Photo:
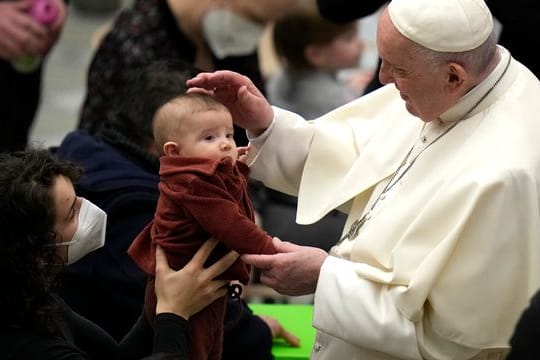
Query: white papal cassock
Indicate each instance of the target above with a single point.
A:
(450, 255)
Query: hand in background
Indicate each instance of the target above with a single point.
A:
(278, 331)
(53, 32)
(20, 34)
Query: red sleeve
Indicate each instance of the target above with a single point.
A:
(218, 213)
(142, 251)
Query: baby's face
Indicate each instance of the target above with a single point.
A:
(209, 134)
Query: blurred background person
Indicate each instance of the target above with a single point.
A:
(209, 34)
(312, 51)
(344, 11)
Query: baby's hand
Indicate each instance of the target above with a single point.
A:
(243, 153)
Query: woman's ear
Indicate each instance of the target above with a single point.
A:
(170, 148)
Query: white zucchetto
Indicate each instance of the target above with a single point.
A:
(443, 25)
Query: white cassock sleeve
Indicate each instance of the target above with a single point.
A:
(344, 301)
(466, 292)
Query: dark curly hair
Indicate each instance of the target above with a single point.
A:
(27, 214)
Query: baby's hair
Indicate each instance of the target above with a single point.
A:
(166, 120)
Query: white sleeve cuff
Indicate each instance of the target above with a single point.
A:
(262, 137)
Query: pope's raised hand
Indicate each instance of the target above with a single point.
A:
(248, 106)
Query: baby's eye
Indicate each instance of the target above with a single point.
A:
(230, 136)
(209, 137)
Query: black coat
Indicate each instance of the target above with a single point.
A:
(77, 338)
(520, 30)
(524, 341)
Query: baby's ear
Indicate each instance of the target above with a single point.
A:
(170, 148)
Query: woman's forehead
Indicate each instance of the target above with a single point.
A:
(63, 194)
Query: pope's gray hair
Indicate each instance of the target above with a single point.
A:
(474, 61)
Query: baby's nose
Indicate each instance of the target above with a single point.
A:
(226, 145)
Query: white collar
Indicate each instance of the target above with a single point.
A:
(469, 103)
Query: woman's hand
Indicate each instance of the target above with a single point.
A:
(192, 288)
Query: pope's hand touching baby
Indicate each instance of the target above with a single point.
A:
(249, 108)
(293, 271)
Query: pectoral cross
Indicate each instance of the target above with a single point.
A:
(355, 227)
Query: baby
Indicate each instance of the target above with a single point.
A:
(203, 193)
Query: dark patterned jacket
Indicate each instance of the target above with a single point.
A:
(141, 34)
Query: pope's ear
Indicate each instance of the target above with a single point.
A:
(171, 149)
(457, 76)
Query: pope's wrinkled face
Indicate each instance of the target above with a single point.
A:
(421, 84)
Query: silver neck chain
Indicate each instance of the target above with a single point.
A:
(394, 179)
(398, 174)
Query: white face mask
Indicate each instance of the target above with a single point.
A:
(90, 233)
(230, 34)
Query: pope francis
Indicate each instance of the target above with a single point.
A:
(439, 173)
